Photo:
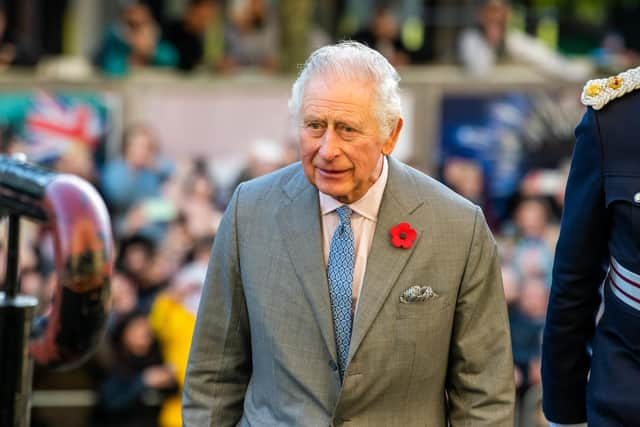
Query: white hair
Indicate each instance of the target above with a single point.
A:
(357, 61)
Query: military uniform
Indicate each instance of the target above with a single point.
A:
(592, 371)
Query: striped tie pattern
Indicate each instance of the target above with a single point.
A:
(340, 277)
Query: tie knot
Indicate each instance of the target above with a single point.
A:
(344, 212)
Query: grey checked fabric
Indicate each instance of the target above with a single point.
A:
(340, 276)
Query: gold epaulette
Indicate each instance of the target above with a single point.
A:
(598, 92)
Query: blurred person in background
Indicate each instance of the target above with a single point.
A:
(527, 321)
(138, 381)
(187, 34)
(533, 259)
(526, 279)
(466, 177)
(178, 241)
(198, 204)
(76, 159)
(265, 156)
(532, 255)
(548, 184)
(491, 42)
(134, 41)
(164, 265)
(543, 206)
(134, 256)
(134, 177)
(590, 364)
(532, 218)
(511, 285)
(173, 319)
(135, 259)
(483, 46)
(620, 45)
(251, 36)
(383, 35)
(11, 52)
(124, 297)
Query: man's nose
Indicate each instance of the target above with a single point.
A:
(329, 145)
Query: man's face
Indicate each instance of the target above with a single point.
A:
(341, 146)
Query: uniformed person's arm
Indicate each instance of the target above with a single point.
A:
(579, 269)
(219, 365)
(480, 381)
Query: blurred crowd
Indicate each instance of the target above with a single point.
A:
(137, 39)
(165, 211)
(223, 36)
(164, 214)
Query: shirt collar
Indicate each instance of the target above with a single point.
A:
(368, 205)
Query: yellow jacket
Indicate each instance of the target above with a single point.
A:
(173, 326)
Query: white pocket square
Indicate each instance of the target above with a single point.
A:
(417, 293)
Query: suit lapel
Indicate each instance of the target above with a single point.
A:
(299, 222)
(386, 262)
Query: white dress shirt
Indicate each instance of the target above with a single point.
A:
(363, 223)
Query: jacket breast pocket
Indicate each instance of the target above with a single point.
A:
(622, 194)
(422, 309)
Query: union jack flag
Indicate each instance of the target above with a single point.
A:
(56, 122)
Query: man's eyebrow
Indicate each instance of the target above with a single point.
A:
(354, 123)
(312, 117)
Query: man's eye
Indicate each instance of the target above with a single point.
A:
(347, 130)
(346, 127)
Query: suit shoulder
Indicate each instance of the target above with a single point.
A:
(599, 92)
(261, 187)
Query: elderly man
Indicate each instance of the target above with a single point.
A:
(350, 289)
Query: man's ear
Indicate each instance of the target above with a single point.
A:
(392, 139)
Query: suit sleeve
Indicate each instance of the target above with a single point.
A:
(579, 268)
(219, 366)
(480, 381)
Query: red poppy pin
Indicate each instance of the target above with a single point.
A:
(402, 235)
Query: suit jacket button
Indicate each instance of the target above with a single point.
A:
(332, 365)
(636, 197)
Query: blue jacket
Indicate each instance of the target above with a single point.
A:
(588, 368)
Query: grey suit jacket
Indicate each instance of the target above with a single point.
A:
(264, 353)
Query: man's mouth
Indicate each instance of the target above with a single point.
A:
(332, 173)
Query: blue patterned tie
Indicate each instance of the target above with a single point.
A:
(340, 276)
